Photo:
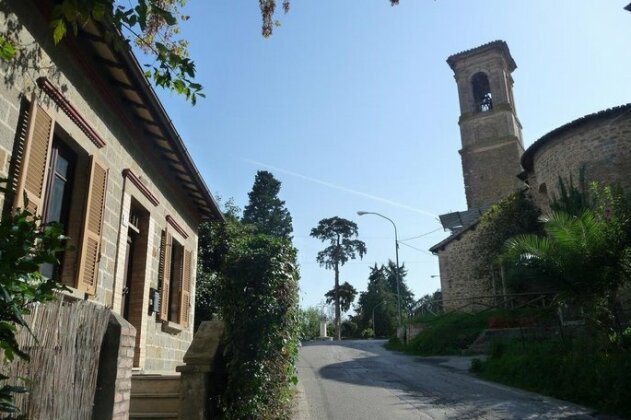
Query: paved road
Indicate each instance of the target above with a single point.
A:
(362, 380)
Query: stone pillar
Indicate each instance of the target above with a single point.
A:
(202, 377)
(323, 329)
(113, 386)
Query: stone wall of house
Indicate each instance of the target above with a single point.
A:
(9, 113)
(461, 286)
(164, 349)
(600, 145)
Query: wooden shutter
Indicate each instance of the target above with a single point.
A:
(185, 294)
(92, 228)
(35, 159)
(165, 260)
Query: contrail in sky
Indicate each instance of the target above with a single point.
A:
(341, 188)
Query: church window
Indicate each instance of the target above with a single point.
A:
(482, 92)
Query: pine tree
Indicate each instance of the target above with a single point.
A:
(340, 234)
(265, 210)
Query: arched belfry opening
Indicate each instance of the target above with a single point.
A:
(489, 128)
(482, 92)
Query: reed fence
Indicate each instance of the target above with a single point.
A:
(64, 348)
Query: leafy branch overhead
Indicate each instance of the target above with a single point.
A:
(152, 25)
(268, 9)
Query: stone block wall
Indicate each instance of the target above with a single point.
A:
(123, 150)
(490, 173)
(461, 286)
(602, 146)
(113, 392)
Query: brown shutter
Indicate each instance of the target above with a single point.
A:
(165, 259)
(92, 229)
(185, 295)
(35, 158)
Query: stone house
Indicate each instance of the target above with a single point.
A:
(84, 135)
(495, 163)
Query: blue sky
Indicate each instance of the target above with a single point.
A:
(352, 106)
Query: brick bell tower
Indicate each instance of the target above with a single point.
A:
(489, 128)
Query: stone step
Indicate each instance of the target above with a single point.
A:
(155, 383)
(154, 402)
(153, 415)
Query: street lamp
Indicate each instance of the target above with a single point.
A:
(396, 249)
(374, 330)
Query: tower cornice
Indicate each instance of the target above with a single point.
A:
(498, 45)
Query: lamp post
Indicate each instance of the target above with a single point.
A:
(396, 249)
(374, 331)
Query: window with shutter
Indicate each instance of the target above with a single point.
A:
(176, 278)
(46, 167)
(92, 228)
(32, 174)
(165, 274)
(185, 303)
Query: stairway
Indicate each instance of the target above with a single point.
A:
(154, 397)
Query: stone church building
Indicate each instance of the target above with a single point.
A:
(495, 164)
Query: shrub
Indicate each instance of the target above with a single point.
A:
(395, 344)
(454, 332)
(582, 371)
(476, 366)
(24, 246)
(368, 333)
(260, 280)
(448, 334)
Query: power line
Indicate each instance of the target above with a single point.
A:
(421, 235)
(417, 249)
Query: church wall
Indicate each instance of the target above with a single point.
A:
(601, 146)
(459, 283)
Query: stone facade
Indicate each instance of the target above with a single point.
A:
(458, 281)
(489, 128)
(88, 108)
(491, 149)
(598, 145)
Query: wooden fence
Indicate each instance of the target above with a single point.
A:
(64, 350)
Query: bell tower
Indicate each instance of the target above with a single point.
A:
(489, 128)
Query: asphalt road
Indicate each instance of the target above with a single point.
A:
(362, 380)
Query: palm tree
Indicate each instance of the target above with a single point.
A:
(581, 257)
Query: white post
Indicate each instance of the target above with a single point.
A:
(323, 328)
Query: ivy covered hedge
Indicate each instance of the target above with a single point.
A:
(513, 215)
(259, 298)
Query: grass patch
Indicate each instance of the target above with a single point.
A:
(451, 333)
(581, 371)
(395, 344)
(448, 334)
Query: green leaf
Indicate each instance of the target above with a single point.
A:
(59, 30)
(7, 52)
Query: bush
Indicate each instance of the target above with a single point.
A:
(476, 365)
(368, 333)
(448, 334)
(24, 246)
(581, 371)
(454, 332)
(395, 344)
(260, 280)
